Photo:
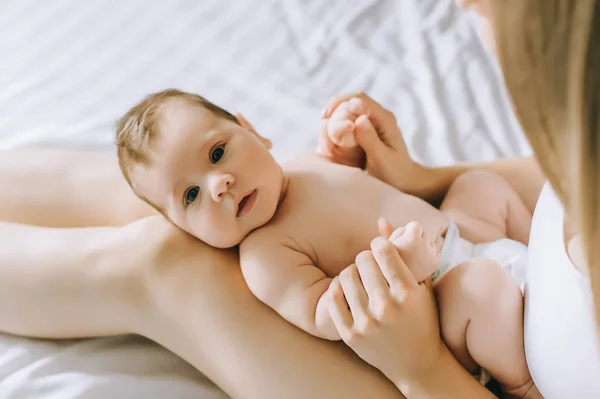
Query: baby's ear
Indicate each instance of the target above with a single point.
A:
(248, 126)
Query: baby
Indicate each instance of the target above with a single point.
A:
(298, 225)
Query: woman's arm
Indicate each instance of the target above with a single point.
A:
(204, 311)
(60, 188)
(391, 322)
(61, 283)
(385, 156)
(155, 280)
(56, 283)
(448, 380)
(523, 174)
(152, 279)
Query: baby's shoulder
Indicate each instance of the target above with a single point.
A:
(304, 159)
(271, 246)
(263, 236)
(270, 238)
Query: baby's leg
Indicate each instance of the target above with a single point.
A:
(481, 318)
(486, 208)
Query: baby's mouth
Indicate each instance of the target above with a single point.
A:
(246, 203)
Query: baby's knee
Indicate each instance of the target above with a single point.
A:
(480, 284)
(477, 192)
(479, 181)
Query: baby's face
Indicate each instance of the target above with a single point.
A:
(213, 178)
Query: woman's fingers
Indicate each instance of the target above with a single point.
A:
(338, 308)
(375, 284)
(391, 264)
(368, 138)
(355, 294)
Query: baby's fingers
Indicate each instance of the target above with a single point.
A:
(341, 132)
(385, 228)
(357, 106)
(395, 236)
(334, 102)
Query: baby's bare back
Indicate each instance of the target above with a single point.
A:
(330, 212)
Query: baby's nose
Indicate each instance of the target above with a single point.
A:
(221, 184)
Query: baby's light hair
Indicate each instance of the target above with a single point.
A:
(138, 129)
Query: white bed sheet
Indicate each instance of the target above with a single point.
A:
(69, 69)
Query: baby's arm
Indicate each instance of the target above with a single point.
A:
(287, 280)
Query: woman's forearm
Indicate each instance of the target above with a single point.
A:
(449, 380)
(152, 279)
(61, 188)
(523, 174)
(204, 311)
(60, 283)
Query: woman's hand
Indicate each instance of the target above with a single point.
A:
(385, 316)
(381, 149)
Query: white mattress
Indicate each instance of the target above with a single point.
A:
(69, 69)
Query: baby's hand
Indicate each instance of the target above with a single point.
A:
(341, 125)
(418, 252)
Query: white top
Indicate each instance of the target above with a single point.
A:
(560, 332)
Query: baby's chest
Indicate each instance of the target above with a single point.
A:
(337, 230)
(335, 214)
(334, 241)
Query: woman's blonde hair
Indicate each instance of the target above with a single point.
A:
(549, 51)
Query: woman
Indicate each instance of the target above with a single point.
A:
(151, 279)
(550, 54)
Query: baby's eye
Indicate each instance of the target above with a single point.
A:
(191, 194)
(217, 153)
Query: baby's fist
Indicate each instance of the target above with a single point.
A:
(341, 126)
(414, 246)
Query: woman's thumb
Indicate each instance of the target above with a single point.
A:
(366, 136)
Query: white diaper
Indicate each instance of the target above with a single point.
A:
(509, 254)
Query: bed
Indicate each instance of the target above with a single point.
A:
(69, 69)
